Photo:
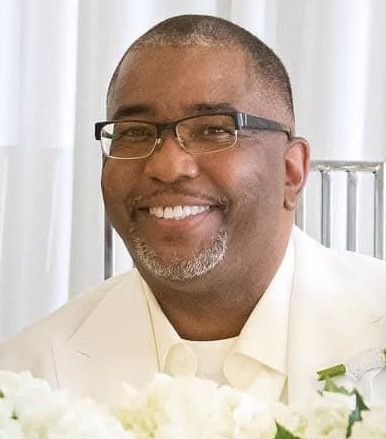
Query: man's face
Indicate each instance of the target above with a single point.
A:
(233, 200)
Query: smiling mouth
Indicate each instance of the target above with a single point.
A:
(177, 213)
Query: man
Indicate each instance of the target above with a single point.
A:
(201, 178)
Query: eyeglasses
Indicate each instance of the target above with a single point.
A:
(201, 134)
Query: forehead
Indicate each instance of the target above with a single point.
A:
(169, 82)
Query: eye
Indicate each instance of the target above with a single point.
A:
(133, 132)
(215, 130)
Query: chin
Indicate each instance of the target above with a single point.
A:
(174, 266)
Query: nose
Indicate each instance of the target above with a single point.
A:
(169, 163)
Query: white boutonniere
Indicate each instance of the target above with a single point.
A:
(358, 374)
(357, 366)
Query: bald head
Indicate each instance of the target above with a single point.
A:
(185, 31)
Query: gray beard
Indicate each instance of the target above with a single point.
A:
(178, 268)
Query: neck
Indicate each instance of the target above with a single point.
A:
(217, 305)
(206, 316)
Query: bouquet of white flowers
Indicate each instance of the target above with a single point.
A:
(188, 408)
(30, 409)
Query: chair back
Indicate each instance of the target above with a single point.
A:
(353, 171)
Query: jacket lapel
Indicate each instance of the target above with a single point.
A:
(115, 344)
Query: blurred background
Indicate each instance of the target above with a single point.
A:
(56, 59)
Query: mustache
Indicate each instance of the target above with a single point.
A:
(142, 199)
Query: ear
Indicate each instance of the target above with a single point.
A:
(297, 160)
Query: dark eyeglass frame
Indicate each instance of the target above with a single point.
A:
(243, 121)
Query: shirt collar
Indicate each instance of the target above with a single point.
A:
(262, 343)
(165, 335)
(264, 335)
(258, 360)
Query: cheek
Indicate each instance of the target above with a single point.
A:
(119, 178)
(255, 183)
(251, 179)
(118, 185)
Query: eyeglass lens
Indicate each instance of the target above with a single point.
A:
(133, 139)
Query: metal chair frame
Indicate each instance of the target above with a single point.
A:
(326, 168)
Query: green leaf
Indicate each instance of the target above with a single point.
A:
(331, 386)
(282, 433)
(2, 394)
(356, 414)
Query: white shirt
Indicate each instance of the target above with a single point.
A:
(257, 361)
(211, 356)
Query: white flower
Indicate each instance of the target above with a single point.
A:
(34, 403)
(174, 408)
(326, 417)
(11, 429)
(291, 419)
(6, 409)
(11, 382)
(87, 420)
(30, 409)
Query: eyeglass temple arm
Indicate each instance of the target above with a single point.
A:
(248, 121)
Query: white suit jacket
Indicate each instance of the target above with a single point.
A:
(103, 338)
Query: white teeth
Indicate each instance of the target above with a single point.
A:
(168, 212)
(158, 212)
(186, 211)
(177, 212)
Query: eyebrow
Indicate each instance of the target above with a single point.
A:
(132, 110)
(125, 111)
(210, 106)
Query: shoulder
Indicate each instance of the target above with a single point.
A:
(313, 256)
(34, 343)
(336, 275)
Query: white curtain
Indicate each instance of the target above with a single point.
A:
(56, 58)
